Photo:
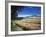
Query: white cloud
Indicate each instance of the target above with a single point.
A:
(24, 15)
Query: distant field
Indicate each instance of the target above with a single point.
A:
(27, 23)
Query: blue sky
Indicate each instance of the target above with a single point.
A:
(29, 11)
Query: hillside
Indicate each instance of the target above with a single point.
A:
(29, 23)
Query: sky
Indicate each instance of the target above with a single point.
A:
(29, 11)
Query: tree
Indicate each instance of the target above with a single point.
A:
(14, 10)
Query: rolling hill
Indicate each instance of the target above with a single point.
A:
(29, 23)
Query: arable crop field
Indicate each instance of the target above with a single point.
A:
(27, 23)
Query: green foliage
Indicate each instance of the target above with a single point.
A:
(14, 27)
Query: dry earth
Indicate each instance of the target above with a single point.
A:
(30, 23)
